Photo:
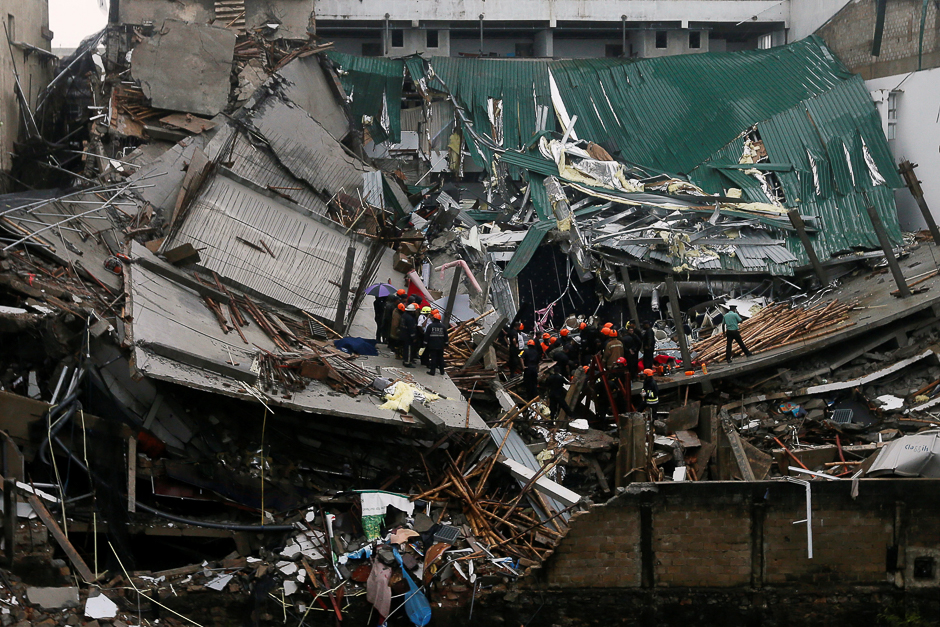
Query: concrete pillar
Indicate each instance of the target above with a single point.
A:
(544, 44)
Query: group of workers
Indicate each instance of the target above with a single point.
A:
(412, 329)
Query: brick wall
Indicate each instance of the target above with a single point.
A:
(601, 551)
(708, 546)
(742, 535)
(850, 32)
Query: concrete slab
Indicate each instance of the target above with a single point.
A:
(879, 313)
(177, 339)
(307, 86)
(53, 598)
(186, 67)
(292, 17)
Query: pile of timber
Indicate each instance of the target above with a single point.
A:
(289, 372)
(779, 325)
(497, 517)
(460, 343)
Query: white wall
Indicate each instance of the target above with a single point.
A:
(808, 15)
(918, 136)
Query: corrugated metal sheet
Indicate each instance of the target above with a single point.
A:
(309, 256)
(259, 166)
(306, 149)
(525, 250)
(374, 85)
(515, 449)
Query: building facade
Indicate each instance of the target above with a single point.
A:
(25, 59)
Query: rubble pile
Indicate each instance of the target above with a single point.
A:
(190, 364)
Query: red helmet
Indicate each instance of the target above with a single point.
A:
(621, 361)
(564, 332)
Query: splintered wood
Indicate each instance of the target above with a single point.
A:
(777, 326)
(498, 515)
(460, 346)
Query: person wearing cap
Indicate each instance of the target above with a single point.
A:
(650, 391)
(732, 334)
(631, 350)
(613, 351)
(555, 384)
(530, 374)
(424, 320)
(648, 342)
(435, 341)
(564, 332)
(406, 334)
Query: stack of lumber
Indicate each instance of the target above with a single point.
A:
(495, 508)
(460, 342)
(779, 325)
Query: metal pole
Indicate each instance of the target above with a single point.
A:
(797, 221)
(344, 289)
(481, 34)
(886, 247)
(452, 297)
(677, 316)
(9, 518)
(628, 288)
(906, 170)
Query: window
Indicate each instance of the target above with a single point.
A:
(613, 50)
(398, 38)
(372, 49)
(923, 567)
(525, 50)
(662, 39)
(892, 115)
(431, 38)
(765, 42)
(695, 39)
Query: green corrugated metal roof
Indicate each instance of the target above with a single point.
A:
(373, 83)
(527, 247)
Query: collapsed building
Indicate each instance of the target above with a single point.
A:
(203, 287)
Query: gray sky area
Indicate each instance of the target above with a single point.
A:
(73, 20)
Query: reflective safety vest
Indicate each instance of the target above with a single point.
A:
(649, 396)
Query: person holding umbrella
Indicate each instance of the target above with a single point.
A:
(381, 292)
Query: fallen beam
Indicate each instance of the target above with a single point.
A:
(542, 484)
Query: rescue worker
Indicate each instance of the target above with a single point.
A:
(613, 351)
(732, 319)
(394, 333)
(562, 359)
(631, 350)
(424, 320)
(650, 392)
(590, 340)
(555, 384)
(530, 375)
(513, 333)
(435, 340)
(406, 334)
(378, 306)
(391, 305)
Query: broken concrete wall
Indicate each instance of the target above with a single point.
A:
(186, 67)
(280, 19)
(308, 87)
(156, 11)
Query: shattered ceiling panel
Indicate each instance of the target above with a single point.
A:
(305, 148)
(304, 267)
(186, 67)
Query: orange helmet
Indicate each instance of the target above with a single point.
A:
(402, 292)
(608, 325)
(648, 372)
(437, 316)
(545, 336)
(401, 306)
(582, 326)
(586, 368)
(435, 311)
(612, 333)
(605, 331)
(531, 342)
(552, 340)
(521, 326)
(564, 332)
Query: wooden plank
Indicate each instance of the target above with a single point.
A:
(80, 566)
(542, 484)
(598, 472)
(487, 342)
(737, 447)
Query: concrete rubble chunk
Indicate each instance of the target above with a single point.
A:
(201, 62)
(53, 598)
(100, 607)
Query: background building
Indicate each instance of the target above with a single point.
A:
(24, 53)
